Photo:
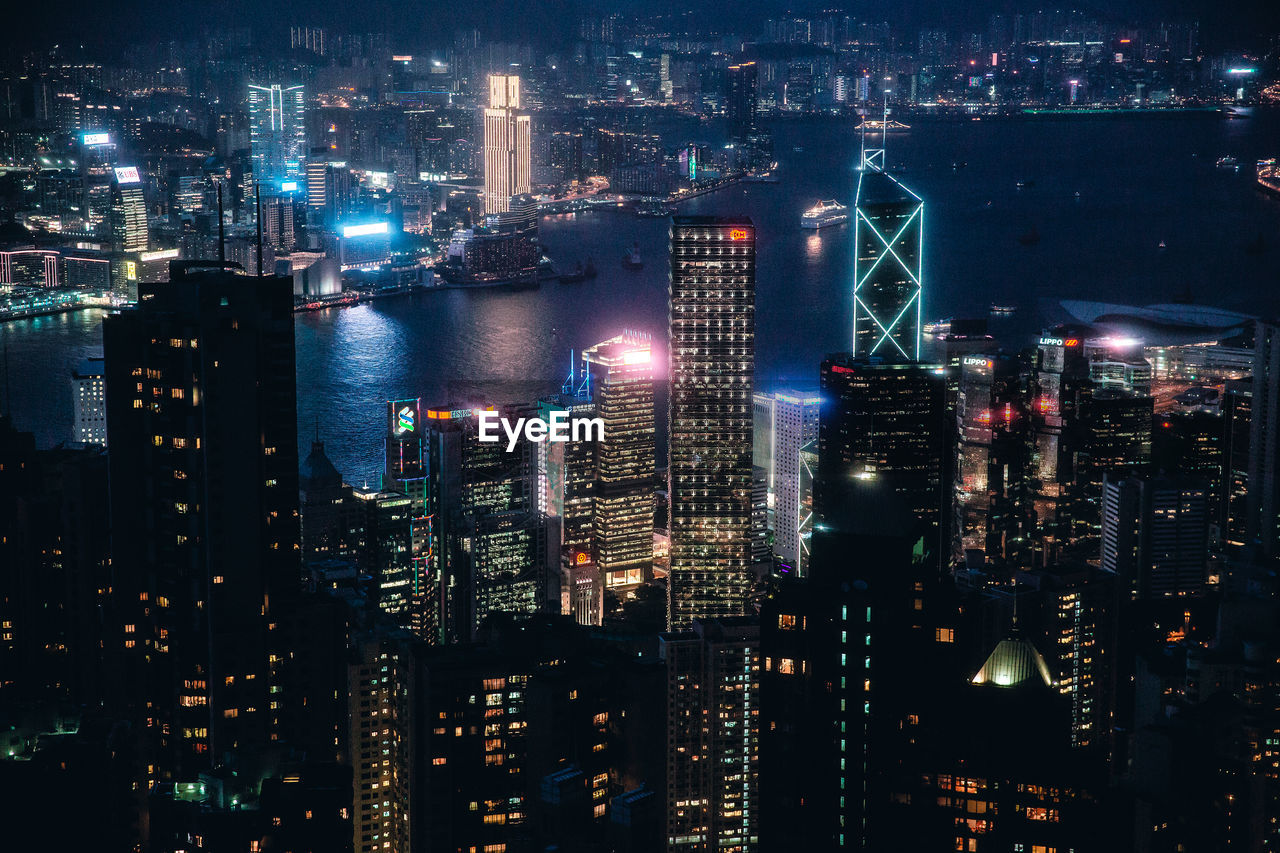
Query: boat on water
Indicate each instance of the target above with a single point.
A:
(824, 213)
(1227, 162)
(1026, 183)
(579, 273)
(631, 258)
(1003, 310)
(1162, 245)
(875, 125)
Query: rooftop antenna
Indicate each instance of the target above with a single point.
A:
(222, 236)
(257, 197)
(873, 158)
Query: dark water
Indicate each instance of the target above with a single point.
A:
(1141, 180)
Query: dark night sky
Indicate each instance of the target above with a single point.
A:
(103, 22)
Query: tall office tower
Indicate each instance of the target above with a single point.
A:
(307, 38)
(316, 175)
(712, 359)
(713, 698)
(622, 522)
(888, 269)
(128, 215)
(277, 133)
(1188, 444)
(1060, 388)
(1074, 612)
(488, 540)
(1118, 439)
(791, 440)
(992, 461)
(1264, 440)
(380, 694)
(508, 147)
(761, 540)
(386, 555)
(202, 414)
(743, 103)
(405, 471)
(1155, 535)
(566, 157)
(89, 403)
(277, 223)
(888, 423)
(1233, 514)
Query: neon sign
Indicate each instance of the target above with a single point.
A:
(96, 138)
(738, 234)
(405, 420)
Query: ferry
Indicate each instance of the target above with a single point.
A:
(875, 125)
(824, 213)
(1227, 162)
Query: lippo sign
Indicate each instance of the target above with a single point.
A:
(556, 428)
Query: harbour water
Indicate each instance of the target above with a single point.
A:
(1140, 181)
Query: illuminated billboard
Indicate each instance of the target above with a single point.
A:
(159, 255)
(362, 230)
(404, 441)
(96, 138)
(289, 186)
(128, 175)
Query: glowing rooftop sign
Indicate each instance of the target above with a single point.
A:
(364, 230)
(128, 175)
(96, 138)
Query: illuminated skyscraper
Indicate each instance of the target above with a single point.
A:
(508, 150)
(713, 733)
(712, 359)
(888, 271)
(128, 216)
(622, 525)
(277, 133)
(790, 455)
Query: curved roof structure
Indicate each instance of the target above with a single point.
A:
(1014, 662)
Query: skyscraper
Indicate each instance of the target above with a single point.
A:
(277, 133)
(89, 402)
(713, 701)
(622, 524)
(791, 455)
(712, 359)
(887, 423)
(128, 215)
(508, 146)
(201, 410)
(888, 268)
(1155, 534)
(741, 107)
(1264, 440)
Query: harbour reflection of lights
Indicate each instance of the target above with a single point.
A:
(813, 246)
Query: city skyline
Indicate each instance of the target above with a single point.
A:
(926, 501)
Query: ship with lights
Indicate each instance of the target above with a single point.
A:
(823, 214)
